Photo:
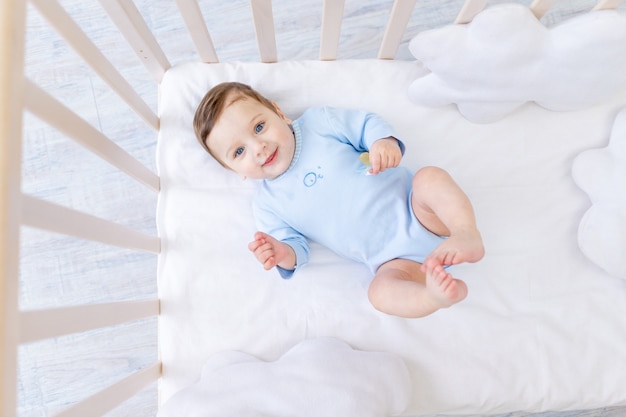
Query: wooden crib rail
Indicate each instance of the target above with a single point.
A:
(332, 14)
(50, 110)
(12, 18)
(52, 217)
(400, 15)
(469, 10)
(264, 28)
(608, 4)
(17, 95)
(71, 32)
(45, 324)
(106, 400)
(37, 325)
(130, 23)
(192, 16)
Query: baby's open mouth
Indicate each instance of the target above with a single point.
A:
(271, 158)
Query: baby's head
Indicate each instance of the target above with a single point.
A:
(212, 105)
(244, 131)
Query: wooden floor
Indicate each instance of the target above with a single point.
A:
(58, 270)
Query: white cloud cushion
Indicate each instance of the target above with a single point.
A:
(505, 57)
(601, 173)
(317, 377)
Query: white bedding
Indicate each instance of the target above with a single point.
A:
(317, 377)
(542, 328)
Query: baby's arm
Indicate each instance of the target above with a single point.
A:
(271, 252)
(384, 153)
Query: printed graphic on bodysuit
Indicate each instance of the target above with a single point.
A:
(310, 179)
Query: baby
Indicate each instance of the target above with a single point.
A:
(406, 228)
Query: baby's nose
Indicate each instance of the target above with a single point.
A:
(260, 148)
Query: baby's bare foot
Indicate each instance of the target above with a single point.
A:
(444, 289)
(463, 246)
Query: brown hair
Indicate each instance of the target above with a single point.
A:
(214, 103)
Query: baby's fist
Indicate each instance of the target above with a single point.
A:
(385, 153)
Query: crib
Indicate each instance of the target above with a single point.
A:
(131, 388)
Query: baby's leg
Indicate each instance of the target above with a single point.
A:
(444, 209)
(401, 288)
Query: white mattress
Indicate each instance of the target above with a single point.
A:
(542, 327)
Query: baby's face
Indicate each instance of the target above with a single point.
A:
(252, 140)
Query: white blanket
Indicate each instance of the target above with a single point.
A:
(318, 377)
(542, 327)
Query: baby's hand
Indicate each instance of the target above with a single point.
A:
(271, 252)
(384, 153)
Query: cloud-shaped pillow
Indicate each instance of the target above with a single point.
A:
(601, 173)
(505, 57)
(318, 377)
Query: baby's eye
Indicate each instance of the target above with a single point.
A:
(238, 152)
(258, 128)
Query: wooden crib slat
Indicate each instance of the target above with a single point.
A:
(332, 16)
(106, 400)
(192, 16)
(540, 7)
(45, 324)
(264, 27)
(469, 10)
(608, 4)
(47, 108)
(76, 38)
(55, 218)
(398, 21)
(129, 21)
(12, 22)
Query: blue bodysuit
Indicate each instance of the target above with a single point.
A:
(326, 196)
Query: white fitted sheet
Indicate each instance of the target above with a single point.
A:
(542, 327)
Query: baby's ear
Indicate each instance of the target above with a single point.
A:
(280, 113)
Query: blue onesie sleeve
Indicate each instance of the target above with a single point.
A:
(359, 128)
